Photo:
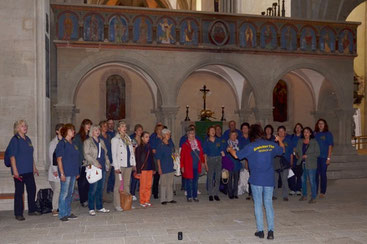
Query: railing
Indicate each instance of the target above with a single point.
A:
(122, 27)
(360, 142)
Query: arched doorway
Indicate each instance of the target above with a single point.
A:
(135, 100)
(309, 96)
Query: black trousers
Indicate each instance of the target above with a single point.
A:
(234, 176)
(28, 181)
(83, 186)
(155, 187)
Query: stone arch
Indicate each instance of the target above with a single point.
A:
(324, 71)
(87, 65)
(239, 94)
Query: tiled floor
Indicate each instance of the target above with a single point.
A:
(339, 218)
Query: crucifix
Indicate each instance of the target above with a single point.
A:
(204, 91)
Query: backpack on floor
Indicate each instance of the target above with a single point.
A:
(44, 200)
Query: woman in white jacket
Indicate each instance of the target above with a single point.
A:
(53, 175)
(123, 160)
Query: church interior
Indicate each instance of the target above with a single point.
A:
(145, 61)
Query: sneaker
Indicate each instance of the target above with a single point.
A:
(292, 193)
(199, 192)
(84, 204)
(303, 198)
(322, 195)
(189, 199)
(143, 205)
(270, 235)
(72, 216)
(64, 219)
(298, 193)
(173, 201)
(196, 200)
(20, 218)
(134, 198)
(92, 213)
(35, 213)
(259, 234)
(185, 193)
(312, 201)
(103, 210)
(285, 199)
(119, 209)
(148, 204)
(216, 198)
(55, 213)
(211, 198)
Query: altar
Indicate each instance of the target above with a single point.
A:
(201, 127)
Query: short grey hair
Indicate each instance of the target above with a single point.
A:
(165, 131)
(93, 128)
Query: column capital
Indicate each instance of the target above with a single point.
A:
(65, 112)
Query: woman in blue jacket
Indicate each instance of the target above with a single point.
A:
(326, 142)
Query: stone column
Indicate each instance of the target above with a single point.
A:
(244, 114)
(167, 116)
(264, 115)
(343, 144)
(65, 113)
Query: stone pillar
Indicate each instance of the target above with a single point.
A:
(264, 115)
(244, 114)
(343, 144)
(167, 116)
(227, 6)
(65, 113)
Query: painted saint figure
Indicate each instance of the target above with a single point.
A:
(93, 29)
(249, 36)
(120, 30)
(268, 37)
(143, 30)
(346, 43)
(189, 32)
(68, 27)
(166, 36)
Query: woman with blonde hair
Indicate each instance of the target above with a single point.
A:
(20, 151)
(123, 159)
(96, 153)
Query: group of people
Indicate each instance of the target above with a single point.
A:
(146, 161)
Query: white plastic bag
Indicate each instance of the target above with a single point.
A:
(94, 174)
(243, 182)
(176, 164)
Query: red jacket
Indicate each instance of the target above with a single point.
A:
(186, 160)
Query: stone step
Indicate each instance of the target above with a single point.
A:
(347, 165)
(347, 174)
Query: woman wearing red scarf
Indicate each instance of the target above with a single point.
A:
(192, 157)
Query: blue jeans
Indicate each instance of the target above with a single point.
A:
(95, 193)
(134, 184)
(258, 192)
(66, 196)
(311, 174)
(321, 175)
(111, 180)
(192, 185)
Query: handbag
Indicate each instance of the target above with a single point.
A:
(227, 163)
(93, 174)
(225, 176)
(126, 200)
(135, 174)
